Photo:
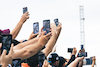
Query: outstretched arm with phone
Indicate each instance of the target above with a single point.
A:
(53, 39)
(72, 58)
(18, 27)
(30, 41)
(32, 49)
(32, 36)
(93, 61)
(6, 59)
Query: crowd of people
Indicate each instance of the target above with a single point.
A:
(37, 50)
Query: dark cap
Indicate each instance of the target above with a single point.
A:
(53, 58)
(6, 31)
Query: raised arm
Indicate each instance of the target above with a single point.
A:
(31, 40)
(72, 58)
(32, 49)
(18, 27)
(53, 39)
(32, 36)
(75, 62)
(93, 61)
(58, 28)
(24, 44)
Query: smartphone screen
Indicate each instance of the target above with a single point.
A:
(88, 61)
(56, 22)
(46, 26)
(84, 54)
(81, 47)
(36, 27)
(70, 50)
(24, 10)
(6, 42)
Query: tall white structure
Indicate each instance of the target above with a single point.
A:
(82, 29)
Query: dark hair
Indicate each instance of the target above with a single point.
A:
(33, 61)
(15, 42)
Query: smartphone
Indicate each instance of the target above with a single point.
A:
(70, 50)
(25, 10)
(56, 22)
(6, 42)
(88, 61)
(46, 26)
(81, 47)
(41, 58)
(82, 54)
(36, 27)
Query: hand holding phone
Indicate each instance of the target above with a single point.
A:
(46, 26)
(25, 10)
(6, 42)
(36, 27)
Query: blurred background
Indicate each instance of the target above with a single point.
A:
(68, 13)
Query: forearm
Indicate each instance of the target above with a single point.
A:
(24, 44)
(71, 59)
(16, 30)
(93, 64)
(31, 50)
(58, 33)
(50, 44)
(73, 64)
(80, 64)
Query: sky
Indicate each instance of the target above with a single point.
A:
(67, 11)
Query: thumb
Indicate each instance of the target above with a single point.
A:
(4, 52)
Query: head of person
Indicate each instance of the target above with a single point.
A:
(34, 60)
(53, 59)
(6, 31)
(61, 62)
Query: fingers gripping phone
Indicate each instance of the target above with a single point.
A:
(46, 26)
(56, 22)
(36, 27)
(6, 42)
(25, 10)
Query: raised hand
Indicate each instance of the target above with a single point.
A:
(24, 17)
(6, 59)
(32, 35)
